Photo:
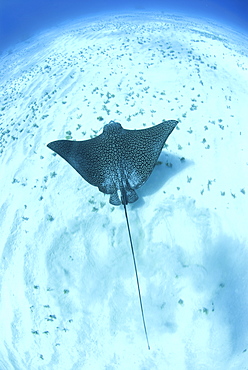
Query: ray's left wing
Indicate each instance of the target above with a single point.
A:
(85, 157)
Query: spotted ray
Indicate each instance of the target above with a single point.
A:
(118, 161)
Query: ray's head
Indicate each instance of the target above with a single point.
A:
(111, 127)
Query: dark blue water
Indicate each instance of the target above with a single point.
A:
(20, 19)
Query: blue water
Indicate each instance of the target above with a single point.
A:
(20, 19)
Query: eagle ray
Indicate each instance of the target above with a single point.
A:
(118, 161)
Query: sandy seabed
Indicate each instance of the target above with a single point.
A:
(68, 298)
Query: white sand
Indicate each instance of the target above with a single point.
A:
(68, 292)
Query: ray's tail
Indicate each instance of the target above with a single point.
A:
(136, 273)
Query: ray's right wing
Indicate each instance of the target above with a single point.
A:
(143, 150)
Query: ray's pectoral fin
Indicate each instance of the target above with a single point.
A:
(126, 196)
(131, 196)
(114, 199)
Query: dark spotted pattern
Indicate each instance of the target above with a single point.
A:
(118, 160)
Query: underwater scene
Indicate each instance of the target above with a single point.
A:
(123, 193)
